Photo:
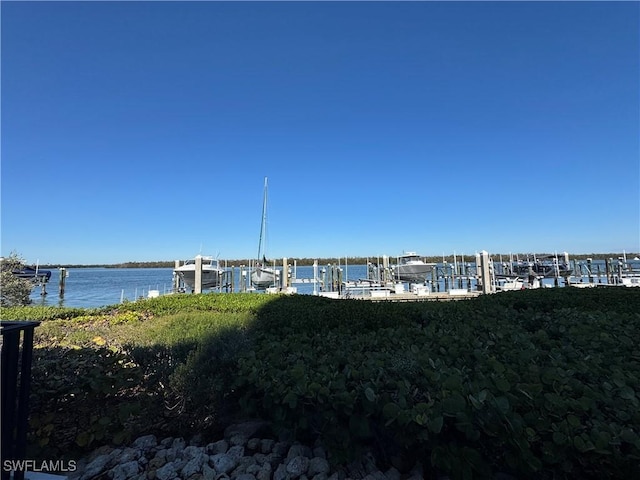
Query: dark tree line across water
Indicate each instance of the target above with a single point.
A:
(349, 260)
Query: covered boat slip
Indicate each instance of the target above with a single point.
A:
(464, 277)
(202, 272)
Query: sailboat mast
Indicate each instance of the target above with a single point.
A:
(263, 223)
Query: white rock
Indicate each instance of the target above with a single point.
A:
(247, 461)
(157, 462)
(222, 462)
(146, 442)
(238, 439)
(298, 450)
(193, 466)
(280, 448)
(245, 476)
(260, 458)
(266, 445)
(192, 452)
(220, 446)
(124, 470)
(166, 472)
(96, 467)
(236, 452)
(172, 454)
(179, 464)
(208, 473)
(253, 469)
(265, 472)
(318, 465)
(281, 473)
(253, 444)
(179, 444)
(166, 442)
(162, 453)
(297, 466)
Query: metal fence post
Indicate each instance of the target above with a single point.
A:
(15, 391)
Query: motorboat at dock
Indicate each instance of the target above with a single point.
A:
(212, 273)
(547, 266)
(33, 274)
(411, 268)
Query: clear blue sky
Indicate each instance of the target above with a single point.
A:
(143, 131)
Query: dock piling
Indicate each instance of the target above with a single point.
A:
(197, 287)
(63, 279)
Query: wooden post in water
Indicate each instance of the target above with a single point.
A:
(315, 277)
(176, 277)
(385, 269)
(285, 274)
(197, 287)
(485, 274)
(63, 279)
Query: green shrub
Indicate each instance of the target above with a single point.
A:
(203, 385)
(41, 313)
(114, 369)
(538, 384)
(469, 387)
(82, 397)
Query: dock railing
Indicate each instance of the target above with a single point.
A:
(17, 354)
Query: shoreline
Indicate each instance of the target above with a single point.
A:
(308, 261)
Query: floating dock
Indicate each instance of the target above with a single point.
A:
(455, 280)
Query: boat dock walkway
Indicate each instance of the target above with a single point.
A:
(444, 281)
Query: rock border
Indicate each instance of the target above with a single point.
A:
(245, 453)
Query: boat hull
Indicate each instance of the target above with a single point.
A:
(33, 275)
(412, 273)
(546, 271)
(263, 277)
(210, 278)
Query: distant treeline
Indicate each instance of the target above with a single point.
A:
(356, 260)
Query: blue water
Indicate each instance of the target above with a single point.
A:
(97, 287)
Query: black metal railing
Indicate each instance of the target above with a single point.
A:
(16, 380)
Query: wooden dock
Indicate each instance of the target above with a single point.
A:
(405, 297)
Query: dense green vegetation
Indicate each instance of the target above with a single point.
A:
(538, 384)
(14, 290)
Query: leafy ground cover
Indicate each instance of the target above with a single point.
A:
(539, 384)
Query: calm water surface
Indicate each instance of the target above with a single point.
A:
(97, 287)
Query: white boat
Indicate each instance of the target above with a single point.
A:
(262, 276)
(212, 273)
(629, 281)
(506, 284)
(411, 268)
